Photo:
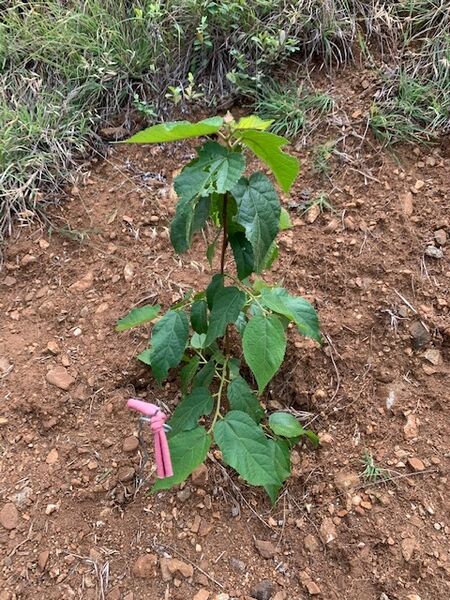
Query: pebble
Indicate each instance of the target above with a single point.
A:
(413, 597)
(411, 429)
(311, 586)
(200, 475)
(312, 213)
(184, 494)
(53, 348)
(202, 595)
(434, 252)
(440, 237)
(420, 335)
(346, 481)
(407, 204)
(130, 444)
(434, 356)
(83, 284)
(178, 566)
(27, 260)
(51, 508)
(125, 474)
(325, 439)
(311, 544)
(128, 272)
(416, 464)
(263, 590)
(331, 226)
(408, 546)
(280, 596)
(9, 281)
(327, 531)
(52, 457)
(5, 365)
(265, 548)
(60, 378)
(9, 516)
(238, 565)
(43, 559)
(144, 567)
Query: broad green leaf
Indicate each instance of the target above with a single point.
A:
(187, 374)
(243, 254)
(211, 252)
(190, 409)
(215, 285)
(190, 216)
(199, 316)
(272, 254)
(285, 424)
(259, 213)
(225, 309)
(205, 376)
(264, 345)
(198, 340)
(168, 342)
(298, 310)
(241, 322)
(138, 316)
(285, 220)
(241, 397)
(267, 147)
(188, 450)
(144, 356)
(282, 466)
(216, 169)
(245, 448)
(176, 130)
(252, 122)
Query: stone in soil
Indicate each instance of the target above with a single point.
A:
(130, 444)
(310, 543)
(238, 565)
(411, 429)
(125, 474)
(433, 356)
(9, 516)
(416, 464)
(420, 335)
(440, 237)
(263, 590)
(310, 585)
(144, 567)
(202, 595)
(325, 439)
(407, 204)
(345, 481)
(265, 548)
(60, 378)
(199, 476)
(52, 457)
(327, 531)
(84, 283)
(408, 547)
(434, 252)
(43, 559)
(312, 213)
(175, 566)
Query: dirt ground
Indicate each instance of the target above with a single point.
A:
(76, 520)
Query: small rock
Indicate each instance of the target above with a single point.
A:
(130, 444)
(238, 565)
(263, 590)
(184, 494)
(408, 547)
(43, 559)
(9, 516)
(128, 272)
(312, 587)
(53, 348)
(43, 244)
(440, 237)
(83, 284)
(434, 252)
(331, 226)
(51, 508)
(9, 281)
(411, 429)
(265, 548)
(3, 421)
(312, 213)
(311, 543)
(145, 565)
(27, 260)
(280, 596)
(327, 531)
(202, 595)
(60, 378)
(325, 439)
(177, 566)
(420, 335)
(413, 597)
(114, 594)
(416, 464)
(114, 133)
(164, 566)
(199, 476)
(205, 528)
(5, 365)
(407, 204)
(345, 481)
(125, 474)
(23, 497)
(434, 356)
(52, 457)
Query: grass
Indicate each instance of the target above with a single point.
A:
(372, 473)
(68, 68)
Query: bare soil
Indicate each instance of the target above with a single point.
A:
(78, 516)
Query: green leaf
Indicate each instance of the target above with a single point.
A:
(225, 309)
(285, 424)
(272, 254)
(241, 397)
(205, 376)
(211, 252)
(190, 409)
(243, 254)
(280, 452)
(241, 322)
(259, 213)
(298, 310)
(267, 146)
(176, 130)
(187, 373)
(216, 169)
(264, 345)
(215, 285)
(313, 437)
(168, 342)
(144, 357)
(285, 220)
(245, 448)
(190, 216)
(138, 316)
(199, 316)
(188, 450)
(252, 122)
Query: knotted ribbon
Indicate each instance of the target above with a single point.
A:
(157, 420)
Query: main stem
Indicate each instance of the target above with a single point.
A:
(222, 261)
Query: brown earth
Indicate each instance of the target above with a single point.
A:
(76, 521)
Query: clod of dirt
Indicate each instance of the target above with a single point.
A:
(325, 439)
(145, 565)
(408, 547)
(265, 548)
(434, 252)
(327, 531)
(125, 474)
(130, 444)
(434, 356)
(202, 595)
(238, 565)
(280, 596)
(22, 498)
(312, 213)
(440, 237)
(9, 516)
(346, 481)
(310, 543)
(52, 457)
(43, 559)
(84, 283)
(200, 475)
(310, 585)
(178, 566)
(331, 226)
(420, 335)
(416, 464)
(5, 365)
(407, 204)
(263, 590)
(184, 494)
(411, 429)
(60, 378)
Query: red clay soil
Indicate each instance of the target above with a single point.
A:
(76, 519)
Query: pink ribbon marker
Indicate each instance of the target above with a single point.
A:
(157, 420)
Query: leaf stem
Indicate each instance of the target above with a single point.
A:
(223, 379)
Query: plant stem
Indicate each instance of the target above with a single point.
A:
(225, 233)
(223, 379)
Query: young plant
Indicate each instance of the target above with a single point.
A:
(202, 330)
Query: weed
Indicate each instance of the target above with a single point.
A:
(322, 156)
(321, 200)
(372, 472)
